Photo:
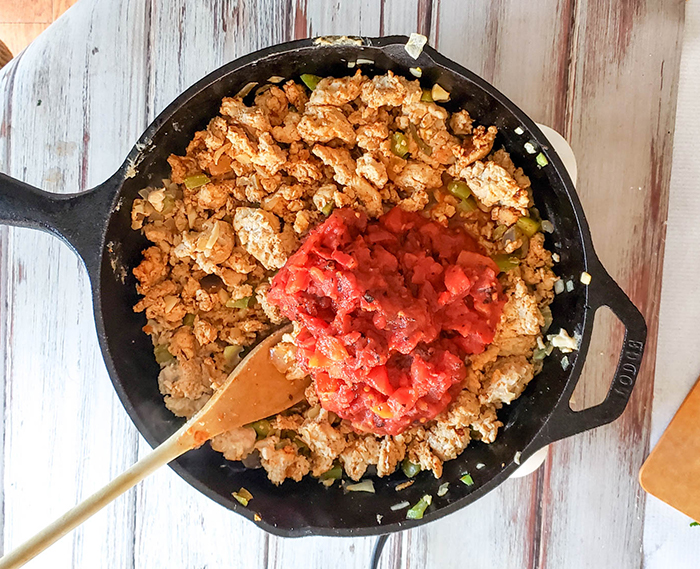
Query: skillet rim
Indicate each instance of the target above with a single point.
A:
(591, 264)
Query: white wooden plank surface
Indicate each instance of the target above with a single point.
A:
(668, 539)
(623, 143)
(503, 529)
(66, 433)
(107, 68)
(200, 532)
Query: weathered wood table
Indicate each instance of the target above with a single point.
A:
(74, 103)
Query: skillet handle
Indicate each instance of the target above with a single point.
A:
(77, 219)
(604, 291)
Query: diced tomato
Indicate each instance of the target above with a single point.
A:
(378, 378)
(332, 348)
(347, 261)
(456, 282)
(405, 396)
(317, 274)
(387, 312)
(298, 283)
(325, 383)
(383, 410)
(318, 360)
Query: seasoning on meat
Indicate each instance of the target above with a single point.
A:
(255, 185)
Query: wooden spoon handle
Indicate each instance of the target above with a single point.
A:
(163, 454)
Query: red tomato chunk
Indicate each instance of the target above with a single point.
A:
(388, 310)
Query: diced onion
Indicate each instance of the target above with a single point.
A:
(563, 341)
(439, 94)
(565, 363)
(416, 72)
(547, 226)
(364, 486)
(275, 79)
(586, 278)
(480, 466)
(442, 490)
(213, 236)
(530, 148)
(351, 64)
(156, 198)
(415, 44)
(558, 286)
(247, 89)
(400, 506)
(362, 61)
(170, 302)
(555, 257)
(569, 285)
(519, 130)
(516, 458)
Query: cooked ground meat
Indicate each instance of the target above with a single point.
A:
(246, 193)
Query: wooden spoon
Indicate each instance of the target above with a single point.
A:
(253, 391)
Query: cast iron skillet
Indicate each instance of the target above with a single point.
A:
(96, 224)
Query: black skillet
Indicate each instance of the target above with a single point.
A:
(96, 224)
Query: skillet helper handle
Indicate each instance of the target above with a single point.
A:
(77, 219)
(604, 291)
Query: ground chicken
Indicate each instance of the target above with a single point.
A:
(337, 91)
(390, 90)
(521, 315)
(487, 424)
(420, 452)
(492, 185)
(260, 234)
(372, 169)
(502, 158)
(273, 171)
(252, 117)
(391, 452)
(416, 176)
(358, 454)
(326, 444)
(235, 444)
(183, 380)
(184, 406)
(323, 123)
(446, 441)
(153, 269)
(284, 462)
(461, 122)
(506, 380)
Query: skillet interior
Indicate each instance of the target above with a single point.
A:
(295, 509)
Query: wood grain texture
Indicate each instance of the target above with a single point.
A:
(604, 118)
(21, 21)
(668, 539)
(107, 68)
(17, 36)
(40, 11)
